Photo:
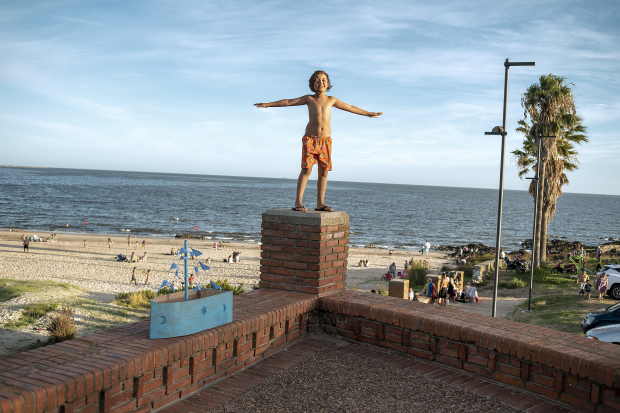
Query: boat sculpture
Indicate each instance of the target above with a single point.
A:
(188, 312)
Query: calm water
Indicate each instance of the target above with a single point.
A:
(230, 208)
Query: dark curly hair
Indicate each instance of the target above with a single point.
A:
(313, 79)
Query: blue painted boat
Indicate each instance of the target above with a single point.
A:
(173, 316)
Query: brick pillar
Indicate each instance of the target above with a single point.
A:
(399, 288)
(304, 252)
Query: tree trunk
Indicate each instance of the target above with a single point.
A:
(539, 213)
(543, 233)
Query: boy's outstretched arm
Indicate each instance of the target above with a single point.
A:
(284, 102)
(353, 109)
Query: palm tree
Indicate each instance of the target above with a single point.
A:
(551, 110)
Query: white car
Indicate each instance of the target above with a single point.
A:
(608, 333)
(613, 280)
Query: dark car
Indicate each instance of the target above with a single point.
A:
(605, 317)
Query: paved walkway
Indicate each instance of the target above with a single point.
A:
(229, 388)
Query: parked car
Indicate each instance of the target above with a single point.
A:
(613, 280)
(608, 334)
(604, 317)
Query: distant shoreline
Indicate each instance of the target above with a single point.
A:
(24, 167)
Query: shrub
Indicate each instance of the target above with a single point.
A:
(227, 287)
(417, 273)
(381, 290)
(39, 310)
(61, 326)
(446, 268)
(467, 269)
(512, 284)
(138, 299)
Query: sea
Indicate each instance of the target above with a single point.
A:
(229, 208)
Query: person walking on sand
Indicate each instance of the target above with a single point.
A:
(109, 244)
(427, 246)
(128, 240)
(26, 244)
(317, 142)
(133, 277)
(144, 244)
(148, 276)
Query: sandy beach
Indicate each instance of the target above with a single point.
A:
(96, 269)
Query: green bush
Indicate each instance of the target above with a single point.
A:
(467, 269)
(417, 273)
(39, 310)
(227, 287)
(512, 284)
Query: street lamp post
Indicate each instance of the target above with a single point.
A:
(534, 255)
(502, 132)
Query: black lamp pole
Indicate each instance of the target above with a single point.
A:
(502, 132)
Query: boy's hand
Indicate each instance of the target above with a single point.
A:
(261, 105)
(375, 114)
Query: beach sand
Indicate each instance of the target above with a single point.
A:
(95, 268)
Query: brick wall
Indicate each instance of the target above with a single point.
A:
(304, 252)
(122, 370)
(561, 366)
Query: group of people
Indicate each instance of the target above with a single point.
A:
(134, 279)
(363, 263)
(584, 286)
(447, 288)
(235, 257)
(26, 240)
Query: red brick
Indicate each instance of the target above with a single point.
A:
(477, 369)
(164, 401)
(509, 380)
(545, 391)
(575, 401)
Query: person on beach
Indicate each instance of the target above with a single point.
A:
(128, 240)
(430, 291)
(410, 294)
(317, 142)
(133, 277)
(598, 253)
(85, 244)
(26, 244)
(144, 244)
(581, 282)
(109, 244)
(601, 285)
(587, 288)
(148, 276)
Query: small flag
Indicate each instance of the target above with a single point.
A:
(204, 267)
(196, 252)
(85, 223)
(196, 227)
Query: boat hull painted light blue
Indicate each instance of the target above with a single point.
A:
(172, 316)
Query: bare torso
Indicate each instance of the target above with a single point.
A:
(319, 115)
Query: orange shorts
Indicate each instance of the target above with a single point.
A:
(315, 150)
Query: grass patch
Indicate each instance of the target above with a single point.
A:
(10, 289)
(138, 299)
(31, 314)
(558, 312)
(227, 287)
(512, 284)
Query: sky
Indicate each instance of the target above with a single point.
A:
(169, 86)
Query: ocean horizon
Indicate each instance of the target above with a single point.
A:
(230, 208)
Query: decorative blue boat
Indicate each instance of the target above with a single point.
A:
(188, 312)
(172, 316)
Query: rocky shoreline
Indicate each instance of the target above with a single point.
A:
(554, 246)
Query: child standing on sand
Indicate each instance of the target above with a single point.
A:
(317, 142)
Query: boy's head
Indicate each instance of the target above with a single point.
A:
(317, 79)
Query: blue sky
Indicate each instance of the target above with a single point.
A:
(168, 86)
